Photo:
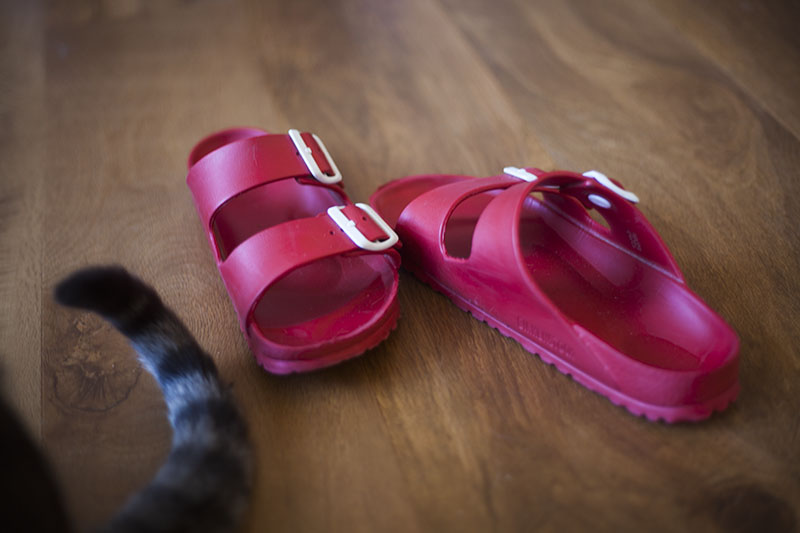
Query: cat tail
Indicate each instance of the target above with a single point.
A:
(204, 485)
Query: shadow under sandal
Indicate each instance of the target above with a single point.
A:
(312, 276)
(603, 302)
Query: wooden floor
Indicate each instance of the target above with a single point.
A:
(446, 426)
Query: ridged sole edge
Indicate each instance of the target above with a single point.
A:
(654, 413)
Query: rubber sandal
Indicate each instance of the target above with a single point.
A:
(312, 276)
(606, 305)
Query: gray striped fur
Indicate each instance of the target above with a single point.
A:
(204, 485)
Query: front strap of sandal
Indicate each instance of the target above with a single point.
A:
(426, 216)
(249, 163)
(266, 257)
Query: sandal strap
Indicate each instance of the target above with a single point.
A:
(495, 243)
(266, 257)
(251, 162)
(629, 228)
(496, 236)
(427, 214)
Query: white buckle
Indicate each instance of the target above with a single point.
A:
(308, 158)
(603, 180)
(350, 229)
(520, 173)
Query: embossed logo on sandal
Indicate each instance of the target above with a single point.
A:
(545, 339)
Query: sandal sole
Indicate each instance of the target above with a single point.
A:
(297, 366)
(672, 414)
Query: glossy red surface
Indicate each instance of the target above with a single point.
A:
(305, 294)
(604, 302)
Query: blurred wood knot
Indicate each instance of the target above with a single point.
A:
(97, 370)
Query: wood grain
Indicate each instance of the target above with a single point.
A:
(446, 426)
(21, 209)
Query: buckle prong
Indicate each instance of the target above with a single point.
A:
(360, 240)
(603, 180)
(520, 173)
(308, 158)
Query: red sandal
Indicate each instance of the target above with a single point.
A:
(607, 306)
(312, 276)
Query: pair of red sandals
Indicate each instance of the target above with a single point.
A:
(313, 277)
